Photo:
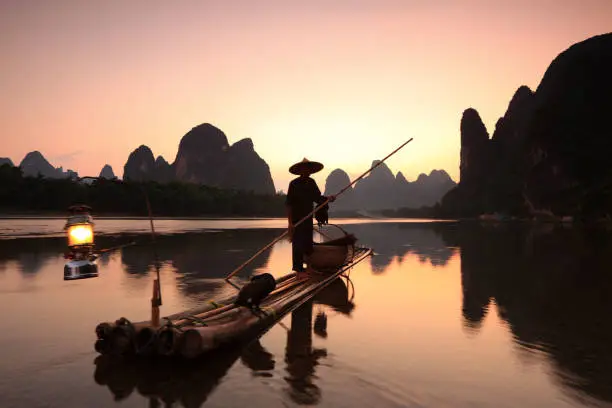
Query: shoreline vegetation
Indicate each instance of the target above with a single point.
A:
(28, 196)
(39, 197)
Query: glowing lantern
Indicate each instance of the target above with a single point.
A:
(80, 234)
(79, 227)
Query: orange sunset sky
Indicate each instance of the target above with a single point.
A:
(342, 82)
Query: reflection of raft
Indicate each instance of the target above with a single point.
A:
(336, 297)
(166, 382)
(194, 332)
(189, 382)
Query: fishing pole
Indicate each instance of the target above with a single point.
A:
(156, 299)
(274, 241)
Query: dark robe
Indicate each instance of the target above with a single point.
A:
(303, 192)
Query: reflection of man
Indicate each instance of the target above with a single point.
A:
(301, 358)
(302, 193)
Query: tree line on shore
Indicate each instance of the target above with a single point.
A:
(19, 194)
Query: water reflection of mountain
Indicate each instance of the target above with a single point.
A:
(199, 258)
(391, 240)
(30, 255)
(553, 287)
(191, 382)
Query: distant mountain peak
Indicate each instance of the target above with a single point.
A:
(472, 127)
(144, 149)
(246, 143)
(139, 164)
(205, 157)
(160, 161)
(382, 190)
(204, 136)
(400, 177)
(336, 181)
(421, 178)
(107, 172)
(35, 164)
(34, 155)
(440, 175)
(381, 171)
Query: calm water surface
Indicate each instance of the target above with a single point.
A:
(444, 315)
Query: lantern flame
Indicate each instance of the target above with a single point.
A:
(81, 234)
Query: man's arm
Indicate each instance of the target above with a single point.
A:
(320, 197)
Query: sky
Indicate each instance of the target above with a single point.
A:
(342, 82)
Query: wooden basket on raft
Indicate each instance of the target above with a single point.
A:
(333, 253)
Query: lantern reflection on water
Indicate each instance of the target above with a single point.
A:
(80, 234)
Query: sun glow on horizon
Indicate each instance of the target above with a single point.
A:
(343, 84)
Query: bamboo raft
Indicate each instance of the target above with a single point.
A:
(195, 332)
(188, 382)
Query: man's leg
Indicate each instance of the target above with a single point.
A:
(303, 245)
(297, 254)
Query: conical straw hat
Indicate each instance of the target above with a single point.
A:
(305, 164)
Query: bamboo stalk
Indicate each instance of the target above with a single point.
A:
(200, 311)
(103, 330)
(102, 346)
(198, 340)
(231, 310)
(168, 340)
(230, 315)
(194, 342)
(122, 337)
(210, 313)
(145, 340)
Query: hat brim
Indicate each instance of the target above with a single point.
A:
(310, 167)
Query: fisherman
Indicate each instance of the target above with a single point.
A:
(302, 193)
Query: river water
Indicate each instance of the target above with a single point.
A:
(443, 315)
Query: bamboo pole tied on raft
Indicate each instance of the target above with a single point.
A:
(274, 241)
(156, 300)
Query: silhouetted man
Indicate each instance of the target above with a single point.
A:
(303, 192)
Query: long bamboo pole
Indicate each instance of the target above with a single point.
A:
(248, 261)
